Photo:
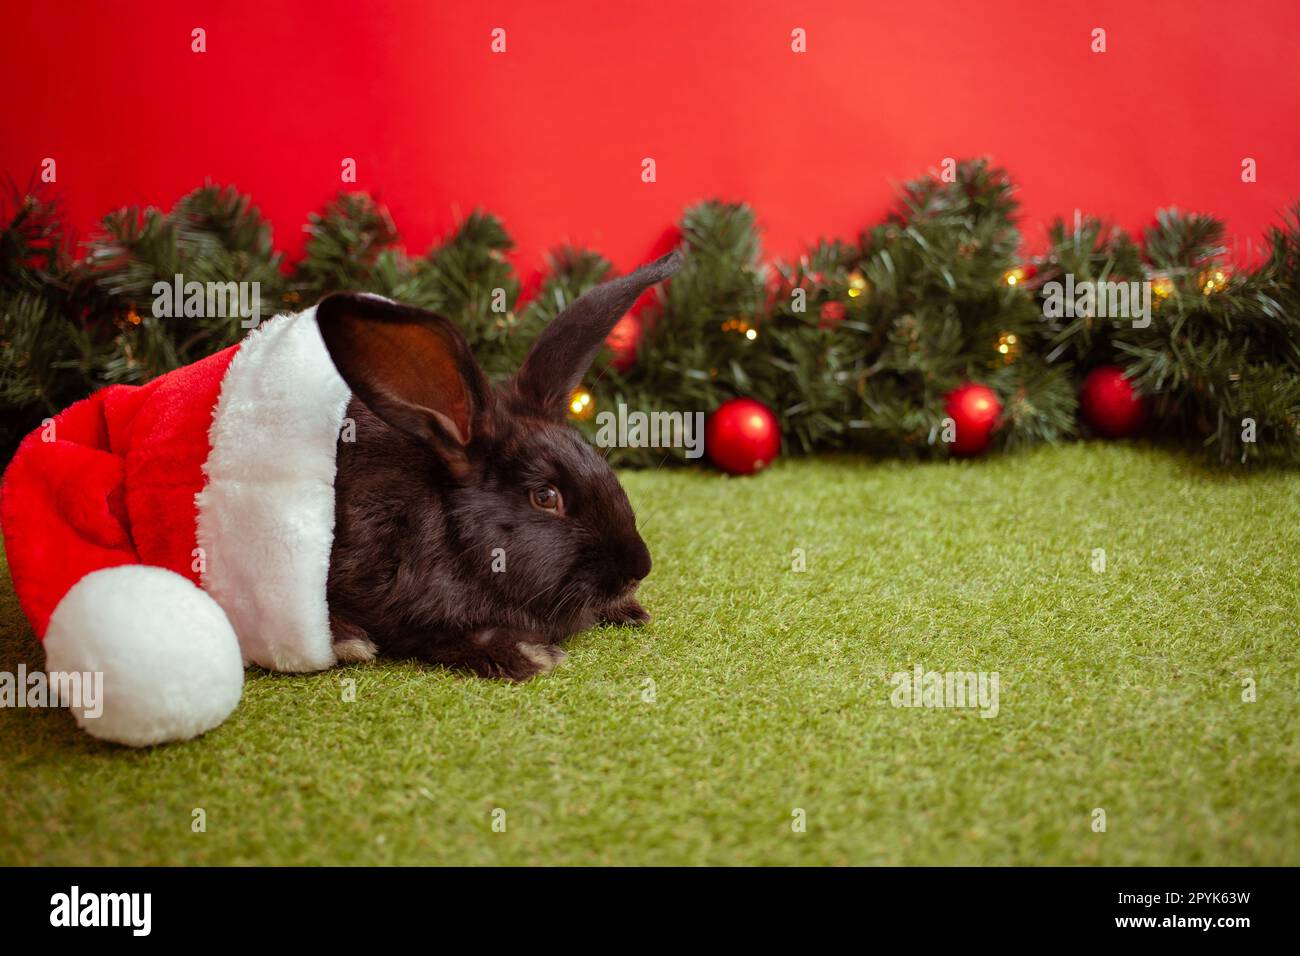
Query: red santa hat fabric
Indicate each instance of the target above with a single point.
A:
(167, 534)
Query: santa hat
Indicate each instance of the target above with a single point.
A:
(166, 535)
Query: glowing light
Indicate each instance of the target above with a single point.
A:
(581, 403)
(1213, 280)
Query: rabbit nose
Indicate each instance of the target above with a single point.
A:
(638, 561)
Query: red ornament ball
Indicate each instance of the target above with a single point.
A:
(831, 314)
(975, 409)
(1110, 403)
(742, 436)
(623, 341)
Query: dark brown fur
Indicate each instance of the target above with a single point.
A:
(434, 483)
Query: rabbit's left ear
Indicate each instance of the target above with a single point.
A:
(410, 367)
(566, 348)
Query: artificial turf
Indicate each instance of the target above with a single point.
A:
(759, 690)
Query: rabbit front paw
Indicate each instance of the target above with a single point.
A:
(546, 657)
(511, 655)
(629, 613)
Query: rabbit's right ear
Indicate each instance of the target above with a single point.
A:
(410, 367)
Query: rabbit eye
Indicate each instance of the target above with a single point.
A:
(546, 498)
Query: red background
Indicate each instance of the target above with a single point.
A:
(551, 134)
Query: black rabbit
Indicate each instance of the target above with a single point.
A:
(474, 527)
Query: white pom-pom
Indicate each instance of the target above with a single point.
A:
(171, 663)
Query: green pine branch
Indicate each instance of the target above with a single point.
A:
(854, 345)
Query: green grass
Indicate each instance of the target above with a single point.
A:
(1119, 690)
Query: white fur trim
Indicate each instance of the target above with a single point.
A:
(266, 515)
(169, 658)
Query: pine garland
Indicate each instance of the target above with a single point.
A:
(854, 345)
